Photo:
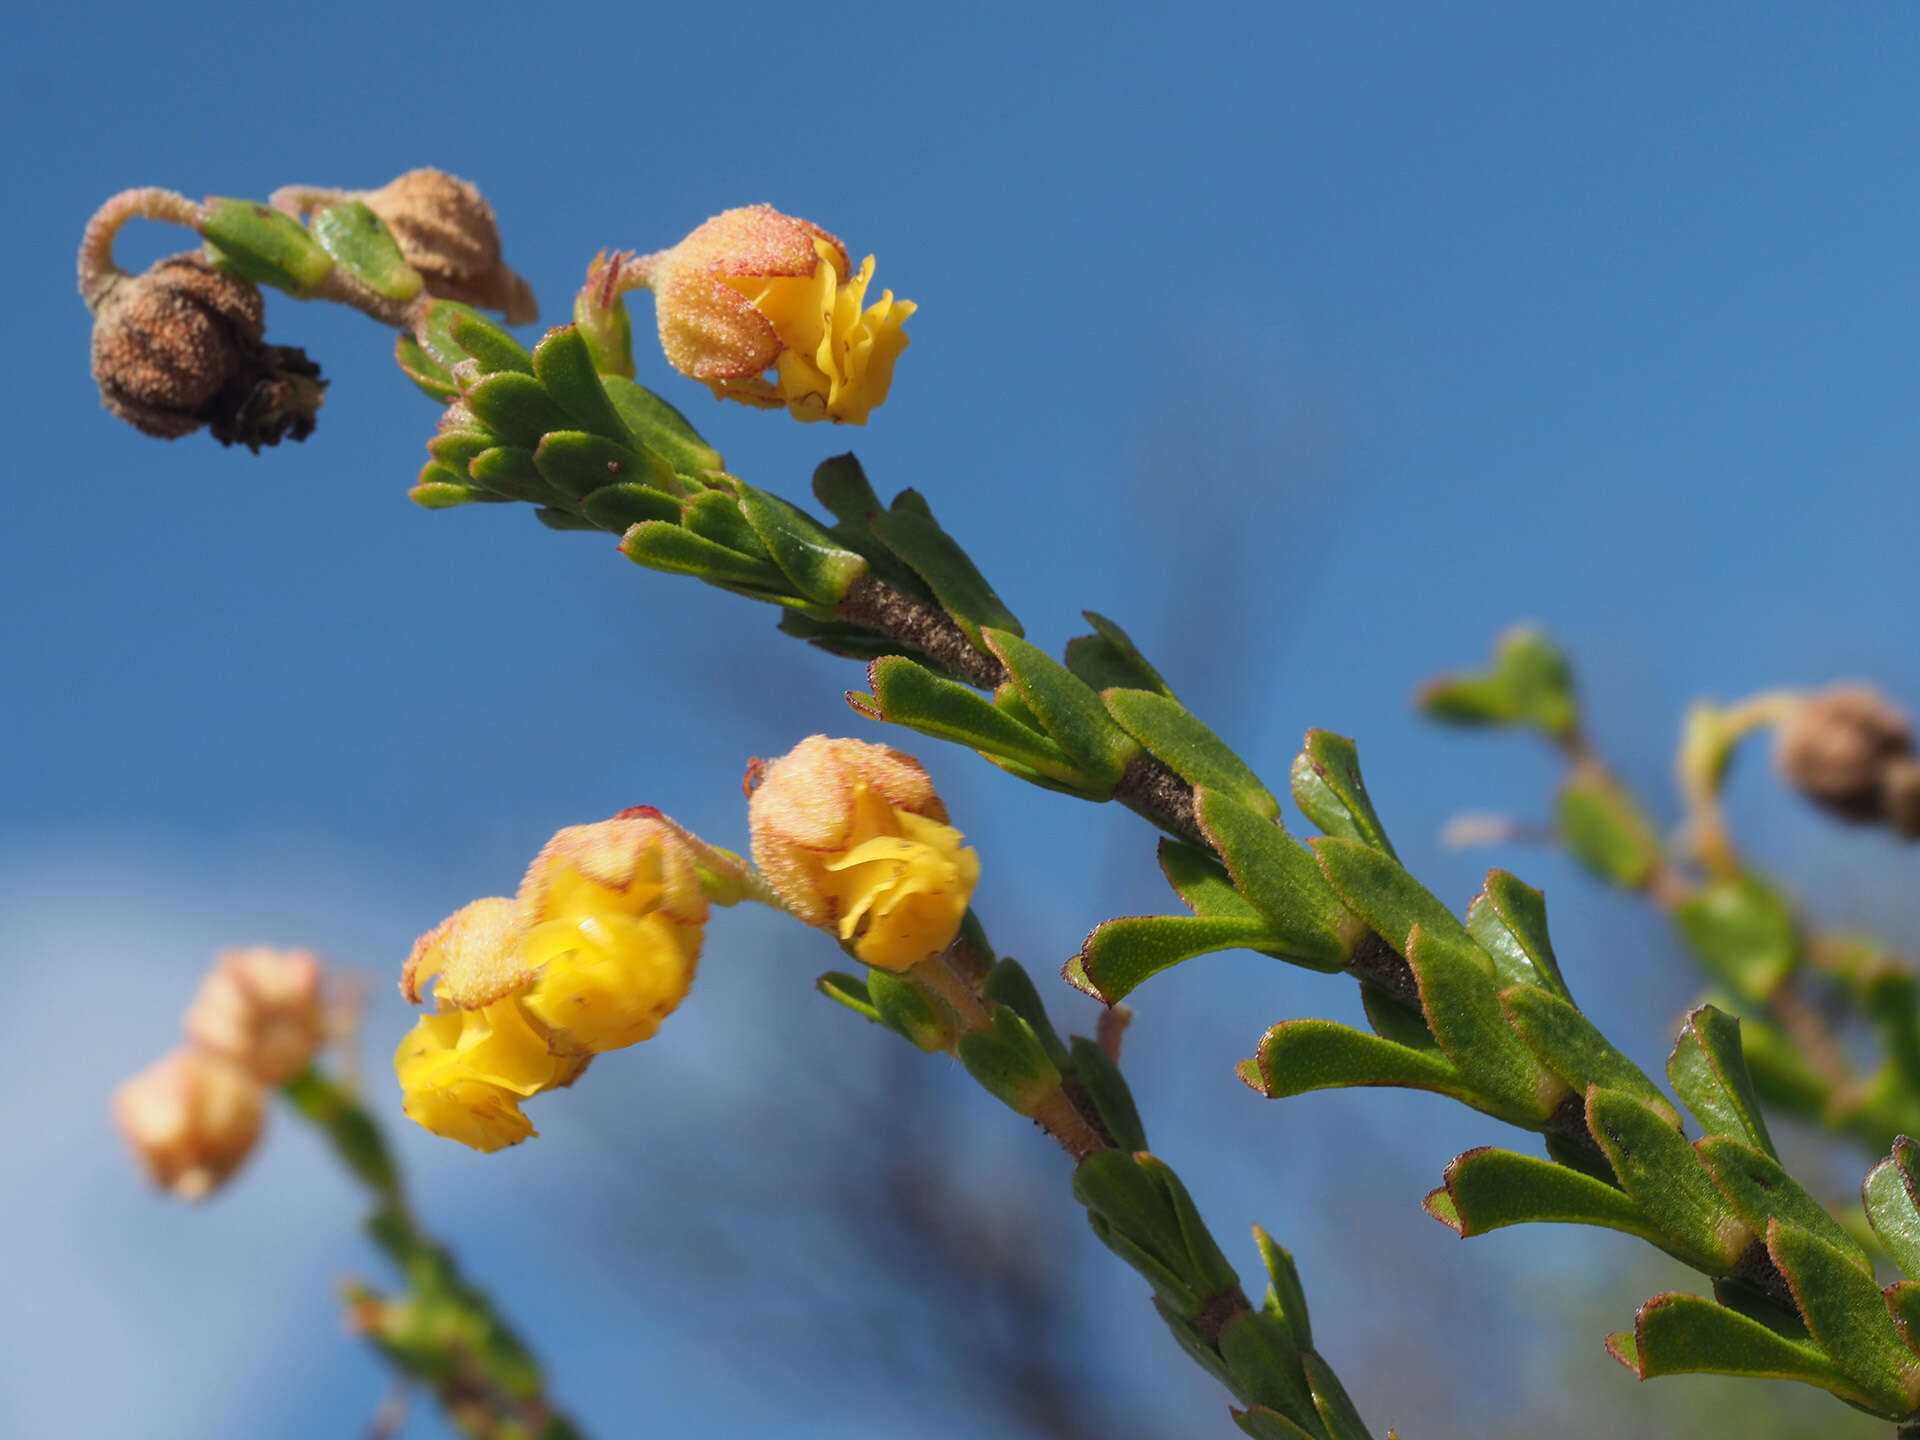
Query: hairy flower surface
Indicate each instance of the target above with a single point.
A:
(190, 1120)
(261, 1009)
(599, 947)
(754, 290)
(853, 839)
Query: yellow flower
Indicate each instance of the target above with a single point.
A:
(754, 290)
(190, 1120)
(615, 914)
(599, 947)
(852, 838)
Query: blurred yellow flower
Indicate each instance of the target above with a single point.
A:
(190, 1120)
(463, 1073)
(754, 290)
(852, 838)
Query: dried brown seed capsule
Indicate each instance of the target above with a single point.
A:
(182, 346)
(1851, 751)
(446, 230)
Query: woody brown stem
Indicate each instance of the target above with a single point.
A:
(876, 605)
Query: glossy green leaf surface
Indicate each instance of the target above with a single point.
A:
(1666, 1180)
(1487, 1188)
(1891, 1193)
(1758, 1189)
(1330, 792)
(1187, 747)
(1280, 878)
(1108, 659)
(820, 568)
(353, 235)
(663, 546)
(910, 694)
(1745, 931)
(1708, 1068)
(1296, 1056)
(1066, 709)
(1604, 830)
(1690, 1335)
(1263, 1359)
(563, 363)
(659, 427)
(421, 368)
(1462, 1009)
(1119, 955)
(1286, 1297)
(1847, 1317)
(1101, 1081)
(259, 243)
(1336, 1407)
(1508, 919)
(1574, 1049)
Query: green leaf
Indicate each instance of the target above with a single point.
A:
(1071, 713)
(1118, 955)
(1116, 1190)
(1187, 747)
(910, 1012)
(850, 991)
(1202, 881)
(353, 235)
(715, 515)
(1847, 1317)
(1330, 792)
(509, 470)
(563, 363)
(1508, 919)
(1529, 682)
(1296, 1056)
(1187, 1335)
(487, 341)
(1009, 1061)
(660, 428)
(564, 520)
(1108, 659)
(421, 368)
(819, 568)
(578, 464)
(514, 407)
(1286, 1297)
(1709, 1073)
(1306, 920)
(1393, 1019)
(1689, 1335)
(912, 533)
(1604, 830)
(1104, 1085)
(1462, 1009)
(1466, 700)
(1264, 1424)
(840, 484)
(1378, 889)
(1891, 1193)
(854, 642)
(1781, 1075)
(1903, 1303)
(260, 244)
(1745, 931)
(1205, 1266)
(443, 494)
(1486, 1189)
(617, 508)
(910, 694)
(1759, 1189)
(660, 545)
(1261, 1355)
(1009, 984)
(460, 447)
(1336, 1407)
(1575, 1050)
(1665, 1178)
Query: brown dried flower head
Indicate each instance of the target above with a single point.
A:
(261, 1009)
(190, 1120)
(1851, 751)
(446, 230)
(183, 345)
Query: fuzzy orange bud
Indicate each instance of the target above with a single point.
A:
(190, 1120)
(446, 230)
(261, 1009)
(853, 839)
(752, 291)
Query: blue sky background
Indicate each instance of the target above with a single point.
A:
(1314, 343)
